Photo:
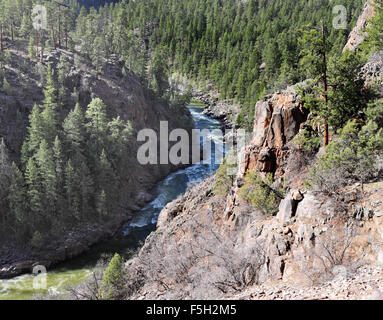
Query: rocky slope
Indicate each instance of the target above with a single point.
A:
(219, 247)
(365, 284)
(124, 96)
(372, 72)
(210, 246)
(357, 35)
(216, 108)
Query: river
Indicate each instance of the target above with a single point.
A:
(133, 233)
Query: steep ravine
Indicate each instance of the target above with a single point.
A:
(128, 237)
(124, 96)
(219, 247)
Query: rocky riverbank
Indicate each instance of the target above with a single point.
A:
(222, 110)
(15, 261)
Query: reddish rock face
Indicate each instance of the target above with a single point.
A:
(263, 113)
(277, 121)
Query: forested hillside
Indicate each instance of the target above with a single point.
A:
(69, 109)
(245, 49)
(94, 3)
(74, 91)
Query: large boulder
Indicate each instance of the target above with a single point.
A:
(372, 72)
(287, 209)
(277, 121)
(263, 114)
(309, 207)
(288, 206)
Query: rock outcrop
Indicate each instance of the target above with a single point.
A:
(365, 284)
(372, 72)
(277, 121)
(305, 245)
(357, 35)
(216, 108)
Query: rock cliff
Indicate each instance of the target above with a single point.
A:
(372, 72)
(212, 246)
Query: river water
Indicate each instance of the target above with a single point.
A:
(133, 233)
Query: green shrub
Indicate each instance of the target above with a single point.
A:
(112, 281)
(37, 240)
(350, 158)
(374, 112)
(225, 175)
(260, 193)
(308, 139)
(7, 89)
(31, 48)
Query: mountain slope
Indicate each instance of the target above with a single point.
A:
(125, 97)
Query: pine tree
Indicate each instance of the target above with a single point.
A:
(35, 193)
(35, 134)
(119, 135)
(18, 201)
(374, 38)
(313, 58)
(26, 26)
(112, 281)
(72, 183)
(74, 133)
(50, 91)
(159, 72)
(48, 115)
(31, 48)
(102, 205)
(5, 180)
(107, 179)
(97, 127)
(59, 161)
(86, 189)
(98, 121)
(98, 54)
(46, 166)
(347, 95)
(63, 69)
(11, 14)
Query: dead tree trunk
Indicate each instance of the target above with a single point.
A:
(54, 39)
(12, 32)
(37, 43)
(1, 38)
(325, 87)
(59, 27)
(66, 39)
